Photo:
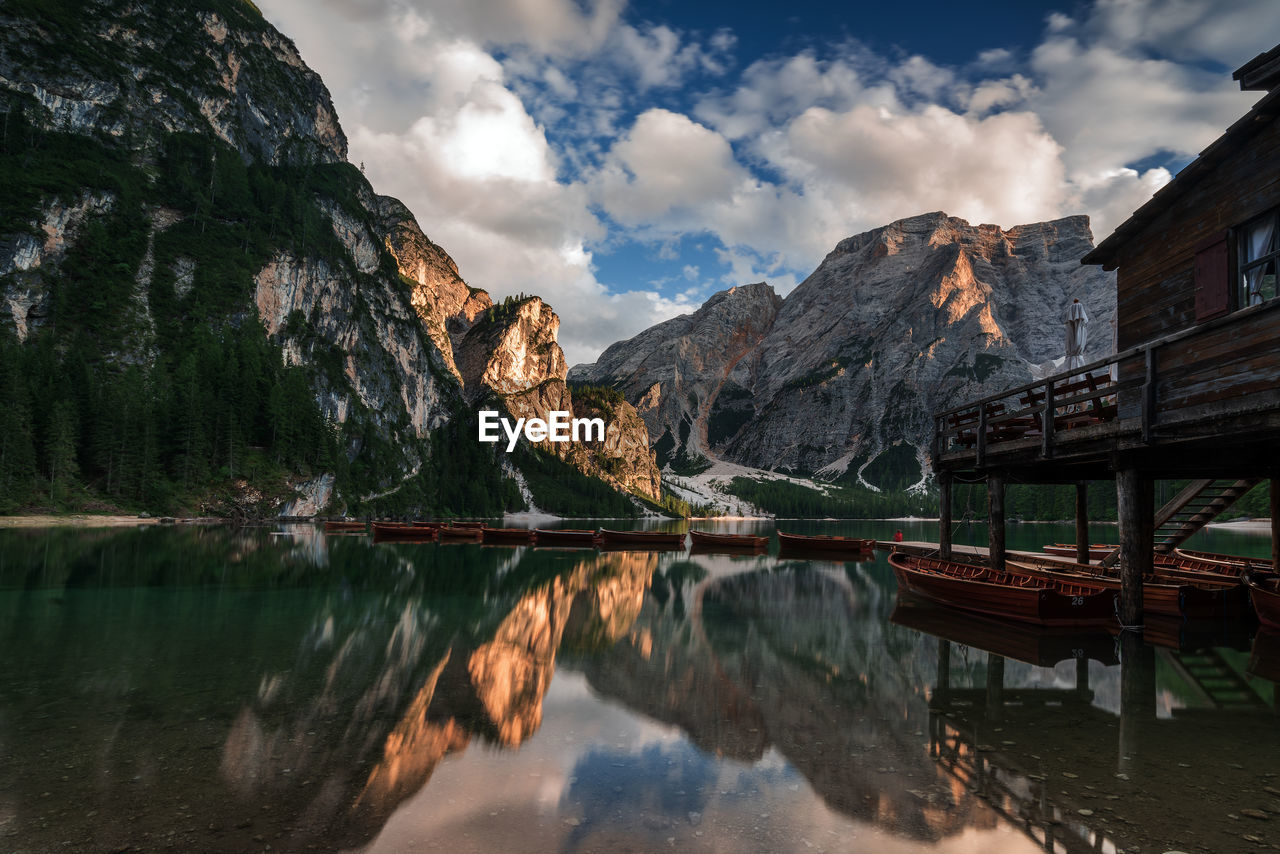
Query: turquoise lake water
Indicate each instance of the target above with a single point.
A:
(211, 689)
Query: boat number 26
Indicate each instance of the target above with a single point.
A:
(1077, 600)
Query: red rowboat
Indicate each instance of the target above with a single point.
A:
(457, 534)
(661, 539)
(708, 540)
(343, 526)
(1096, 552)
(1009, 595)
(408, 533)
(565, 537)
(820, 543)
(1171, 597)
(508, 536)
(1212, 558)
(1264, 590)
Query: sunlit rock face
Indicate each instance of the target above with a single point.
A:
(510, 352)
(377, 312)
(895, 323)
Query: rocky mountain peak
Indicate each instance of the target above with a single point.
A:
(894, 323)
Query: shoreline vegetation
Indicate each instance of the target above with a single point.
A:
(108, 520)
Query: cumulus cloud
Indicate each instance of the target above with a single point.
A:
(528, 135)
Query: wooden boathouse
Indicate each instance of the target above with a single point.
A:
(1194, 389)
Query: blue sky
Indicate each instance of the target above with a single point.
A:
(627, 160)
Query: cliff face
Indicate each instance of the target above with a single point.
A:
(511, 353)
(676, 371)
(894, 323)
(190, 169)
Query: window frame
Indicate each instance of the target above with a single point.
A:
(1240, 293)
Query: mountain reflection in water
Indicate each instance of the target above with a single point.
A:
(214, 690)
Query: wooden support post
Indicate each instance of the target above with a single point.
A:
(1082, 522)
(1275, 525)
(1082, 675)
(995, 521)
(944, 515)
(1135, 498)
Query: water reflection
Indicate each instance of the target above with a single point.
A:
(224, 691)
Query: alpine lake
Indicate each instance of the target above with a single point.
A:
(279, 689)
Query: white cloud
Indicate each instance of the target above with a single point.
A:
(504, 161)
(666, 163)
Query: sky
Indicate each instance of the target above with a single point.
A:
(626, 160)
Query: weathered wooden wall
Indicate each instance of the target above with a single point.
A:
(1156, 278)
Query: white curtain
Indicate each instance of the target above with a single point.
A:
(1257, 244)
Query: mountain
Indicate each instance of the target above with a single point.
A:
(204, 307)
(839, 378)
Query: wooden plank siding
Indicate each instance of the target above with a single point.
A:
(1155, 285)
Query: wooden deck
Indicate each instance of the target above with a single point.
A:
(1201, 402)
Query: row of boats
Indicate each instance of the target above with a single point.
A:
(1186, 585)
(478, 532)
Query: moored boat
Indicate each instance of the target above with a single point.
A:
(1096, 552)
(459, 534)
(708, 540)
(1264, 591)
(1161, 594)
(343, 526)
(565, 537)
(397, 531)
(1009, 595)
(1215, 559)
(660, 539)
(508, 536)
(476, 525)
(824, 543)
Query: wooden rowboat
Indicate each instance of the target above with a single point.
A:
(565, 537)
(407, 533)
(476, 525)
(1162, 595)
(339, 526)
(708, 540)
(457, 534)
(821, 543)
(1264, 591)
(1009, 595)
(1255, 563)
(660, 539)
(508, 536)
(1096, 552)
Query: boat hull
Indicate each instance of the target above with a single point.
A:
(659, 539)
(1045, 603)
(566, 537)
(459, 535)
(1264, 592)
(403, 533)
(736, 542)
(345, 527)
(835, 545)
(508, 536)
(1069, 550)
(1170, 598)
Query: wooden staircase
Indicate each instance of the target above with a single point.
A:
(1198, 504)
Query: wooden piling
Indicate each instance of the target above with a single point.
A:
(995, 521)
(944, 515)
(995, 686)
(1082, 522)
(1135, 498)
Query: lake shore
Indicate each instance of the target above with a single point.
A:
(74, 520)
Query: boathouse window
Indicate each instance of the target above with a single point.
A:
(1259, 253)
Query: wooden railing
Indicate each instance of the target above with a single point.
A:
(1152, 383)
